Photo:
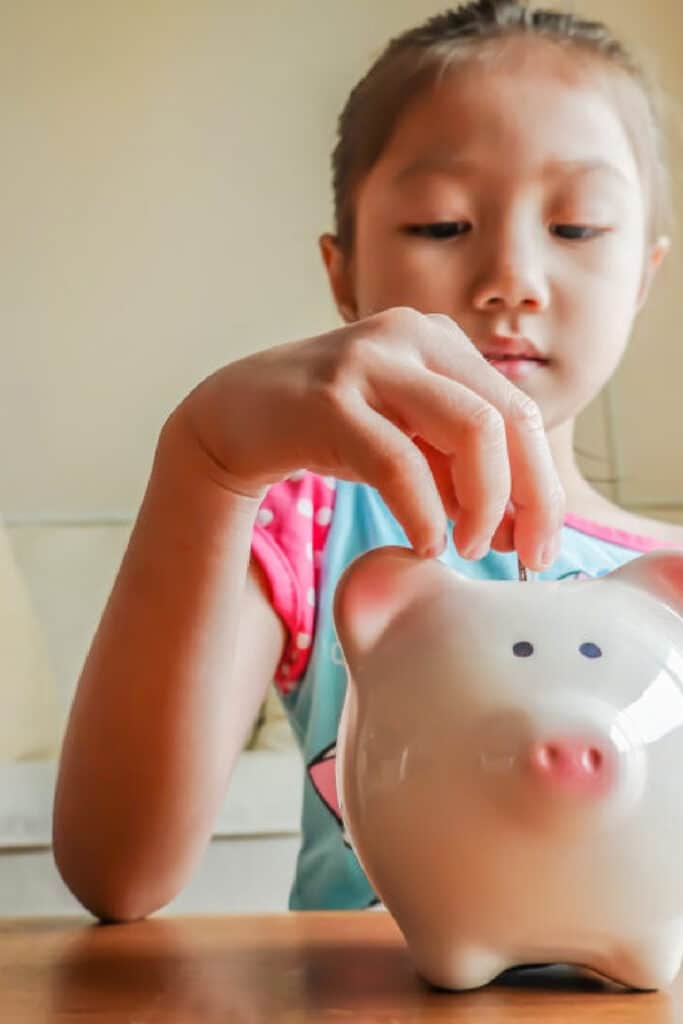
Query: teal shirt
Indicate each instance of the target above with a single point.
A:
(328, 875)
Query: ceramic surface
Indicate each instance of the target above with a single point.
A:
(509, 764)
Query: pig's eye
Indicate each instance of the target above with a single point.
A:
(523, 649)
(590, 651)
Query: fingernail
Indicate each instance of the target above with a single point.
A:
(434, 550)
(474, 552)
(547, 554)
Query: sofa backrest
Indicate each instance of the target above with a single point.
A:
(69, 569)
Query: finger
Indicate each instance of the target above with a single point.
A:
(461, 425)
(440, 466)
(388, 460)
(535, 485)
(537, 494)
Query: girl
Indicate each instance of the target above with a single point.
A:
(500, 201)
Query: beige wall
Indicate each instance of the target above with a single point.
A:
(165, 176)
(645, 393)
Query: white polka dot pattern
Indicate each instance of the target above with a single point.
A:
(292, 526)
(304, 507)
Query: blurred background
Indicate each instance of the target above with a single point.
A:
(165, 177)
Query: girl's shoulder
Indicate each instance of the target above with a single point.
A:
(601, 511)
(659, 529)
(667, 533)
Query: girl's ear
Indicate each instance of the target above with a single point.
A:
(655, 258)
(340, 277)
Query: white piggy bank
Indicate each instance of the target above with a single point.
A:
(510, 764)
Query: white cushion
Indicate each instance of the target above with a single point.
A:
(264, 797)
(69, 571)
(274, 731)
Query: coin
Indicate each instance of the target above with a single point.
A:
(525, 574)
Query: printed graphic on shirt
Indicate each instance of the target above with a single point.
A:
(579, 575)
(322, 771)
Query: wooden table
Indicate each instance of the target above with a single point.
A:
(295, 968)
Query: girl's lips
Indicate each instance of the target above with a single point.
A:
(516, 368)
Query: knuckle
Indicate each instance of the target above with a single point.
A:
(442, 319)
(453, 337)
(352, 348)
(345, 362)
(525, 412)
(332, 398)
(487, 423)
(400, 318)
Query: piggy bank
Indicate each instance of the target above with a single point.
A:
(510, 764)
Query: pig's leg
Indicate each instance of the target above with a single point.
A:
(648, 963)
(447, 965)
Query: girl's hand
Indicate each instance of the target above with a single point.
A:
(400, 400)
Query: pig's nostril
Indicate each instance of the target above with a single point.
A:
(548, 756)
(592, 760)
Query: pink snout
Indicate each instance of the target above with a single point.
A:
(578, 766)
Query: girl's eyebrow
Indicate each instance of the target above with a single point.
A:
(588, 167)
(458, 166)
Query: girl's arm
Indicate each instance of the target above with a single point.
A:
(187, 643)
(180, 663)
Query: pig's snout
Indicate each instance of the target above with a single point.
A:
(558, 763)
(575, 765)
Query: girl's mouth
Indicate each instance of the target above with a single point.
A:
(516, 367)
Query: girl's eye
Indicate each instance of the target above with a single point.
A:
(455, 228)
(576, 232)
(442, 229)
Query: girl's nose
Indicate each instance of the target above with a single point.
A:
(511, 298)
(513, 278)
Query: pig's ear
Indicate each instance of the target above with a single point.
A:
(374, 589)
(659, 572)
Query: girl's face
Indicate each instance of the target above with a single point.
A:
(509, 198)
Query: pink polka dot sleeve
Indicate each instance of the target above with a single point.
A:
(289, 535)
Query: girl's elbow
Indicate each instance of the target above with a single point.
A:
(111, 900)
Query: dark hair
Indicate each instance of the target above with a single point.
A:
(419, 57)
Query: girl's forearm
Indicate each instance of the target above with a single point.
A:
(149, 748)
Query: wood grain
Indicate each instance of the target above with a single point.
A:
(293, 968)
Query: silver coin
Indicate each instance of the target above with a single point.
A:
(525, 574)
